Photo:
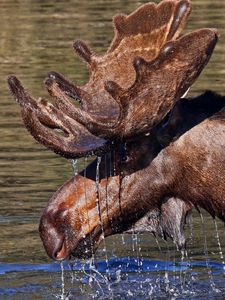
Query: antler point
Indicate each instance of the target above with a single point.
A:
(83, 50)
(13, 80)
(52, 75)
(48, 81)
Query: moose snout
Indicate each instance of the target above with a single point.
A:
(53, 241)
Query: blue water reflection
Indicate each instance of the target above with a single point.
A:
(125, 277)
(123, 264)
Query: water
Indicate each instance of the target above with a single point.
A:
(36, 37)
(62, 282)
(219, 245)
(125, 276)
(74, 163)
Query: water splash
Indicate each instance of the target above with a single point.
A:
(124, 277)
(93, 278)
(186, 281)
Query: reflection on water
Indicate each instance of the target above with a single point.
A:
(125, 280)
(36, 37)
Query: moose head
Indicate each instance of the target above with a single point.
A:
(129, 99)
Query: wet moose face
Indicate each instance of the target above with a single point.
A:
(69, 224)
(72, 223)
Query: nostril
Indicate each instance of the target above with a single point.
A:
(54, 240)
(61, 253)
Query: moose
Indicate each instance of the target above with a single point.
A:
(159, 155)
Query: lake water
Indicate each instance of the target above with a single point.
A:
(36, 37)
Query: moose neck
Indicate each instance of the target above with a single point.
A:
(135, 194)
(190, 168)
(110, 176)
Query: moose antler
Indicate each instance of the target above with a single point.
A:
(141, 34)
(40, 117)
(131, 88)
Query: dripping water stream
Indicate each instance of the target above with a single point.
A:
(166, 274)
(187, 283)
(212, 283)
(160, 273)
(97, 181)
(136, 248)
(219, 245)
(99, 208)
(92, 271)
(62, 297)
(190, 252)
(74, 163)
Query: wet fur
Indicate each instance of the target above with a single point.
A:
(170, 172)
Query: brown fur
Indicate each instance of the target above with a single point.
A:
(168, 221)
(192, 169)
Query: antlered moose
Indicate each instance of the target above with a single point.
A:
(158, 155)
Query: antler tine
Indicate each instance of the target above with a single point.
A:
(182, 11)
(139, 66)
(114, 90)
(71, 90)
(82, 49)
(65, 105)
(98, 126)
(40, 117)
(68, 87)
(74, 144)
(21, 96)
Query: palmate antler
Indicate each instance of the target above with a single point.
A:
(141, 34)
(131, 88)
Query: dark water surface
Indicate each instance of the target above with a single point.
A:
(36, 37)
